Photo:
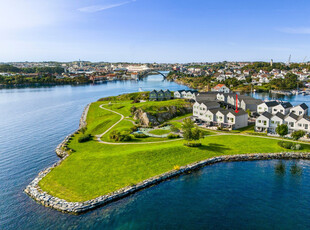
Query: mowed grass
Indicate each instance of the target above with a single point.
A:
(160, 131)
(96, 169)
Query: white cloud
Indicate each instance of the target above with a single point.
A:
(298, 30)
(96, 8)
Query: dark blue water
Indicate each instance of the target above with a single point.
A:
(240, 195)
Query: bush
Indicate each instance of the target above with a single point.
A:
(192, 144)
(120, 136)
(140, 135)
(173, 136)
(84, 138)
(296, 135)
(83, 130)
(174, 129)
(289, 145)
(134, 128)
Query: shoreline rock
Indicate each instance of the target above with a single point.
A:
(34, 191)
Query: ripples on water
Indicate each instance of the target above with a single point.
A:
(227, 195)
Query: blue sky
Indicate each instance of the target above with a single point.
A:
(154, 30)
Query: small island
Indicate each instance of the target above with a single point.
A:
(132, 141)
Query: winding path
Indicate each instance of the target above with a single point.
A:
(111, 127)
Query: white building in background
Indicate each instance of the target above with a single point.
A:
(220, 88)
(137, 68)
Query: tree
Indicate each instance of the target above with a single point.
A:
(187, 124)
(249, 112)
(282, 130)
(188, 135)
(197, 134)
(187, 127)
(298, 134)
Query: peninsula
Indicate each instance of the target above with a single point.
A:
(132, 141)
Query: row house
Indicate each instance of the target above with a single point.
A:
(249, 104)
(269, 122)
(299, 110)
(266, 106)
(186, 94)
(160, 95)
(219, 116)
(283, 108)
(200, 108)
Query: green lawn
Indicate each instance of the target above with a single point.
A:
(95, 169)
(160, 131)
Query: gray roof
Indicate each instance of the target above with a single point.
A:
(286, 105)
(240, 113)
(210, 103)
(271, 103)
(292, 115)
(252, 101)
(214, 111)
(266, 114)
(280, 115)
(303, 106)
(206, 96)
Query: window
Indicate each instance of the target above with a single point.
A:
(306, 126)
(272, 122)
(232, 119)
(265, 122)
(259, 121)
(259, 108)
(300, 112)
(300, 125)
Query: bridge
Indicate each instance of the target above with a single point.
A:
(152, 71)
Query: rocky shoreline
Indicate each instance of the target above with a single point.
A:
(60, 149)
(34, 191)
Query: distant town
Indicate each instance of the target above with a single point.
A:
(284, 78)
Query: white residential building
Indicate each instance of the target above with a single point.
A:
(301, 109)
(220, 88)
(266, 106)
(283, 108)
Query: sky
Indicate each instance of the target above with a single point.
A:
(174, 31)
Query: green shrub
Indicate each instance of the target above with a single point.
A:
(134, 128)
(140, 135)
(173, 136)
(84, 138)
(192, 144)
(289, 145)
(83, 130)
(120, 136)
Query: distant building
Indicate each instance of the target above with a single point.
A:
(160, 95)
(220, 88)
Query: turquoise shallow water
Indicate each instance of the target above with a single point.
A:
(228, 195)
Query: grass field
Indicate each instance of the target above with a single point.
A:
(160, 131)
(95, 169)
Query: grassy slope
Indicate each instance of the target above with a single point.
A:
(96, 169)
